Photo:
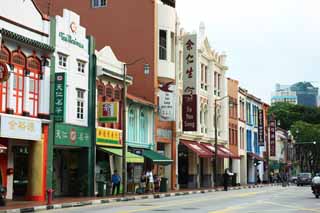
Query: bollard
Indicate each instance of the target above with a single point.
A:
(49, 196)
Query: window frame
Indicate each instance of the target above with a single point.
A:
(163, 47)
(61, 65)
(99, 3)
(80, 103)
(81, 69)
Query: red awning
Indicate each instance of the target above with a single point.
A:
(255, 156)
(223, 152)
(197, 148)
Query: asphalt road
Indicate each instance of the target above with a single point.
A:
(268, 199)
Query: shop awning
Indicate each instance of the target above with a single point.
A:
(223, 152)
(255, 156)
(156, 157)
(197, 148)
(131, 158)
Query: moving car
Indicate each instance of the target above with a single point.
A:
(304, 179)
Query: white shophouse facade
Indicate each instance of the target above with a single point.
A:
(211, 84)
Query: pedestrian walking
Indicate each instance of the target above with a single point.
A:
(116, 179)
(258, 177)
(226, 175)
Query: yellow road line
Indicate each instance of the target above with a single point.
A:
(190, 201)
(291, 206)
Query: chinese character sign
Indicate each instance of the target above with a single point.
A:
(70, 135)
(20, 128)
(107, 136)
(59, 96)
(260, 128)
(190, 64)
(108, 112)
(272, 138)
(189, 113)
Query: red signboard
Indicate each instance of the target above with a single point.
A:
(260, 128)
(189, 113)
(272, 138)
(4, 73)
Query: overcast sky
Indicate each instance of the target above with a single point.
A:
(267, 41)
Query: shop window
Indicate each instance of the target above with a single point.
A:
(81, 66)
(34, 83)
(172, 47)
(143, 127)
(80, 104)
(163, 45)
(62, 60)
(132, 125)
(99, 3)
(19, 62)
(117, 93)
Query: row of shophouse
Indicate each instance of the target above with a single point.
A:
(61, 101)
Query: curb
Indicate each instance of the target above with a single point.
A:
(126, 199)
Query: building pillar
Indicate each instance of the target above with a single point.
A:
(174, 168)
(36, 190)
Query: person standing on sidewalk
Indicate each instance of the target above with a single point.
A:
(116, 180)
(226, 175)
(149, 175)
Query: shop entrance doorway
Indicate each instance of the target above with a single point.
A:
(183, 166)
(20, 171)
(70, 173)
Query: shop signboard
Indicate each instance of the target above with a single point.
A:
(71, 135)
(108, 137)
(260, 128)
(59, 96)
(189, 104)
(189, 113)
(272, 138)
(108, 112)
(18, 127)
(167, 102)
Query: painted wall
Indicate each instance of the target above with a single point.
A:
(74, 79)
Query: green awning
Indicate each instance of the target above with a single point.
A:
(131, 158)
(156, 157)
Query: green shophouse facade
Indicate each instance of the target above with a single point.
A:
(72, 134)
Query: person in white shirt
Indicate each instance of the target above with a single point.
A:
(150, 186)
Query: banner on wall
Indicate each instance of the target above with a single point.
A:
(167, 102)
(189, 105)
(108, 112)
(260, 128)
(59, 97)
(272, 138)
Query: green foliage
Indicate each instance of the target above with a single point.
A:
(288, 114)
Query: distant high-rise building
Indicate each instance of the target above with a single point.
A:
(303, 93)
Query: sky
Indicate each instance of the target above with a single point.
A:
(266, 41)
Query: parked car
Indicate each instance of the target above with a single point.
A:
(293, 179)
(304, 179)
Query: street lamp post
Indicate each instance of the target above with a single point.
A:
(124, 121)
(216, 140)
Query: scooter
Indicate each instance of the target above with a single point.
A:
(2, 196)
(316, 190)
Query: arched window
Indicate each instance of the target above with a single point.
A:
(19, 62)
(132, 125)
(34, 68)
(100, 90)
(117, 93)
(143, 127)
(4, 58)
(109, 91)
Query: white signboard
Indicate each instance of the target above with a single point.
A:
(167, 102)
(20, 128)
(189, 64)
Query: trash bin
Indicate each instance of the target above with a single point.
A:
(164, 185)
(102, 188)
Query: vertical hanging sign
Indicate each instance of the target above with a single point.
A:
(272, 137)
(59, 96)
(260, 128)
(189, 109)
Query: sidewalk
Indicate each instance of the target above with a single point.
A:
(58, 203)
